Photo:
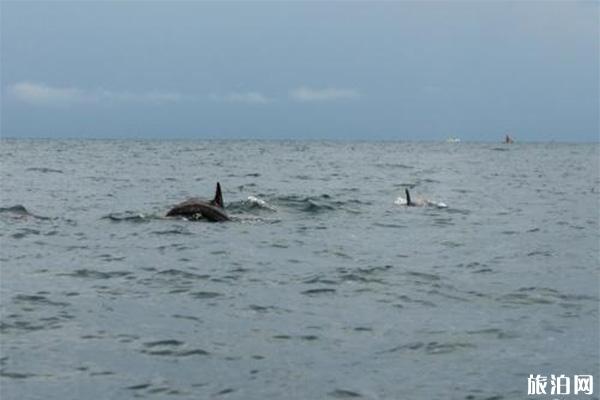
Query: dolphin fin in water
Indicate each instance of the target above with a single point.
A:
(195, 208)
(218, 200)
(419, 202)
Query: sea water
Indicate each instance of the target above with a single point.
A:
(323, 285)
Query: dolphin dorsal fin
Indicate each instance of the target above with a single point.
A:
(408, 202)
(218, 200)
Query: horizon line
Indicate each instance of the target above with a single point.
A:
(279, 139)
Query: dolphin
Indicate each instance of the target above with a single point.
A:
(411, 203)
(196, 208)
(417, 202)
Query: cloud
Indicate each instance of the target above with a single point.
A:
(40, 94)
(246, 97)
(147, 97)
(305, 94)
(44, 95)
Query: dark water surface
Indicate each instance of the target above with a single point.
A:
(321, 287)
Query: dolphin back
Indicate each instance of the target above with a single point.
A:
(196, 208)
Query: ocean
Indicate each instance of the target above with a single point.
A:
(322, 286)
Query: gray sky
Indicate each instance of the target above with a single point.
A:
(302, 70)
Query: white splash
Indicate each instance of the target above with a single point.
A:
(260, 202)
(401, 201)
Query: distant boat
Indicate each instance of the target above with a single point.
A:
(508, 139)
(452, 140)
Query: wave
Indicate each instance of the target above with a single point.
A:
(401, 201)
(259, 203)
(252, 203)
(19, 211)
(129, 216)
(304, 204)
(45, 170)
(310, 204)
(394, 165)
(178, 230)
